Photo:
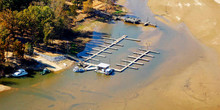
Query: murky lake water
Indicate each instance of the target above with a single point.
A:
(69, 90)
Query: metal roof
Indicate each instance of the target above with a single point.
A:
(103, 65)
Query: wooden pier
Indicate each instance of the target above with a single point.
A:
(116, 41)
(141, 54)
(137, 56)
(133, 61)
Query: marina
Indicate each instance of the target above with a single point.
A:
(88, 66)
(158, 84)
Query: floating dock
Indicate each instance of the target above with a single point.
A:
(135, 59)
(138, 56)
(106, 48)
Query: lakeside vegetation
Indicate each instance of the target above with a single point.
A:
(29, 25)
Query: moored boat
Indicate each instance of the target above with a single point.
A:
(104, 69)
(20, 73)
(78, 70)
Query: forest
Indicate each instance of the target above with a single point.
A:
(29, 24)
(26, 23)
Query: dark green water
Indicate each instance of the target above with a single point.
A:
(73, 91)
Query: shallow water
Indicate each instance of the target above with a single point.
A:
(69, 90)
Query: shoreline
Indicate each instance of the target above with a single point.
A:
(194, 86)
(186, 86)
(4, 88)
(89, 25)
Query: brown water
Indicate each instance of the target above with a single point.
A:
(85, 91)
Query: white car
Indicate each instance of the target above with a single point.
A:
(19, 73)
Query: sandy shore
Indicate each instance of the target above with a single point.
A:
(4, 88)
(178, 84)
(55, 66)
(192, 87)
(200, 16)
(88, 26)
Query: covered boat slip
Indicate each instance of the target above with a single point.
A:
(109, 49)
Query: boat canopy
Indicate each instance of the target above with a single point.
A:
(21, 70)
(103, 65)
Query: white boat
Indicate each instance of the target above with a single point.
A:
(78, 70)
(19, 73)
(90, 68)
(104, 69)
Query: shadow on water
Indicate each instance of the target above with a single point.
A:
(99, 85)
(96, 93)
(38, 94)
(95, 42)
(50, 106)
(67, 94)
(8, 83)
(73, 106)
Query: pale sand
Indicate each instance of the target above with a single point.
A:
(201, 17)
(4, 88)
(196, 86)
(217, 1)
(180, 85)
(55, 66)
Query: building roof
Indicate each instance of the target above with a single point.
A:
(103, 65)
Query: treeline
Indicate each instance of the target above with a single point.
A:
(26, 23)
(29, 22)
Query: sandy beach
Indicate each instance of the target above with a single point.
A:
(89, 25)
(186, 84)
(4, 88)
(200, 16)
(187, 80)
(194, 86)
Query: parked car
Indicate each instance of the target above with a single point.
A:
(20, 73)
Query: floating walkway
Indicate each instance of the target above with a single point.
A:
(135, 59)
(138, 56)
(106, 48)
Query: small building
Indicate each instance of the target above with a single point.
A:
(104, 69)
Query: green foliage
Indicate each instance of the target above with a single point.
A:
(47, 30)
(78, 3)
(28, 48)
(14, 4)
(18, 49)
(36, 18)
(87, 6)
(8, 22)
(119, 12)
(2, 51)
(73, 49)
(73, 9)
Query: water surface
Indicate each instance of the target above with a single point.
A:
(69, 90)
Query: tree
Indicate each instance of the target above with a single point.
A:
(9, 22)
(28, 49)
(87, 6)
(14, 4)
(18, 49)
(78, 3)
(2, 52)
(73, 9)
(36, 19)
(47, 32)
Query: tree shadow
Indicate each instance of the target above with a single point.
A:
(8, 83)
(71, 43)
